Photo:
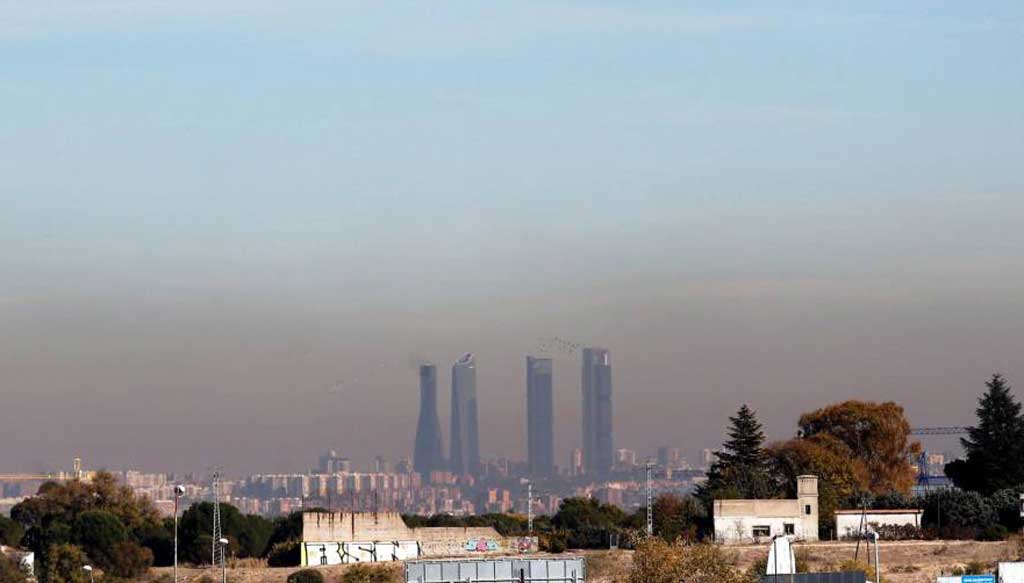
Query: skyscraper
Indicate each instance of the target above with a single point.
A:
(540, 417)
(427, 456)
(465, 444)
(597, 411)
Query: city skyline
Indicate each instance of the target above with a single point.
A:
(232, 231)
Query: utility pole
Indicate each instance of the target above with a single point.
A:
(529, 508)
(218, 549)
(178, 491)
(650, 500)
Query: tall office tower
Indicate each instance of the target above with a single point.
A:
(597, 411)
(427, 456)
(540, 418)
(465, 445)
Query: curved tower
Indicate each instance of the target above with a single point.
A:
(427, 455)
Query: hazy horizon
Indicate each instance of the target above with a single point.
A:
(230, 232)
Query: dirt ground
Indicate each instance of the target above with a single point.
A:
(902, 562)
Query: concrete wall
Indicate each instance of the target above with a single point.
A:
(848, 522)
(344, 537)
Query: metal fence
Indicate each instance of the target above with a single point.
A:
(510, 570)
(834, 577)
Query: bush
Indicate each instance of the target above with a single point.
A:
(993, 532)
(957, 514)
(975, 568)
(554, 543)
(868, 570)
(656, 561)
(306, 576)
(284, 554)
(130, 560)
(10, 532)
(363, 573)
(10, 572)
(64, 565)
(757, 569)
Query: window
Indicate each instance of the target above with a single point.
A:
(789, 528)
(760, 531)
(807, 509)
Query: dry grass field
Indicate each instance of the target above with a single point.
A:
(902, 562)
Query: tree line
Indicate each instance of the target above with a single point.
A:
(864, 457)
(104, 524)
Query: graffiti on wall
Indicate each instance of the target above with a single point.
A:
(524, 544)
(482, 545)
(343, 553)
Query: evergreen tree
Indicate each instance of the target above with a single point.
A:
(743, 467)
(995, 446)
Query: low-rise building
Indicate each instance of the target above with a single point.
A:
(851, 523)
(751, 521)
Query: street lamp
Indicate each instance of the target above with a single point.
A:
(223, 562)
(88, 569)
(878, 570)
(178, 491)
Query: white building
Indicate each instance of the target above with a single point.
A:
(751, 521)
(848, 522)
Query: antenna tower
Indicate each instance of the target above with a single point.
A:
(218, 549)
(650, 501)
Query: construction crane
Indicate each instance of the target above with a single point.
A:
(76, 473)
(939, 430)
(923, 477)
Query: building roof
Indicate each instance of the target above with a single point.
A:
(883, 511)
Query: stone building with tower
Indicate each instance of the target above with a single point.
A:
(752, 521)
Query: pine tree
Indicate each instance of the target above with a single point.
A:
(995, 446)
(742, 469)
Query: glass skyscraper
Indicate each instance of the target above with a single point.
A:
(427, 454)
(539, 416)
(598, 446)
(465, 444)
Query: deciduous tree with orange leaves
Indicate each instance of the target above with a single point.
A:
(854, 447)
(876, 435)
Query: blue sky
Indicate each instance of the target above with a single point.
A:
(391, 182)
